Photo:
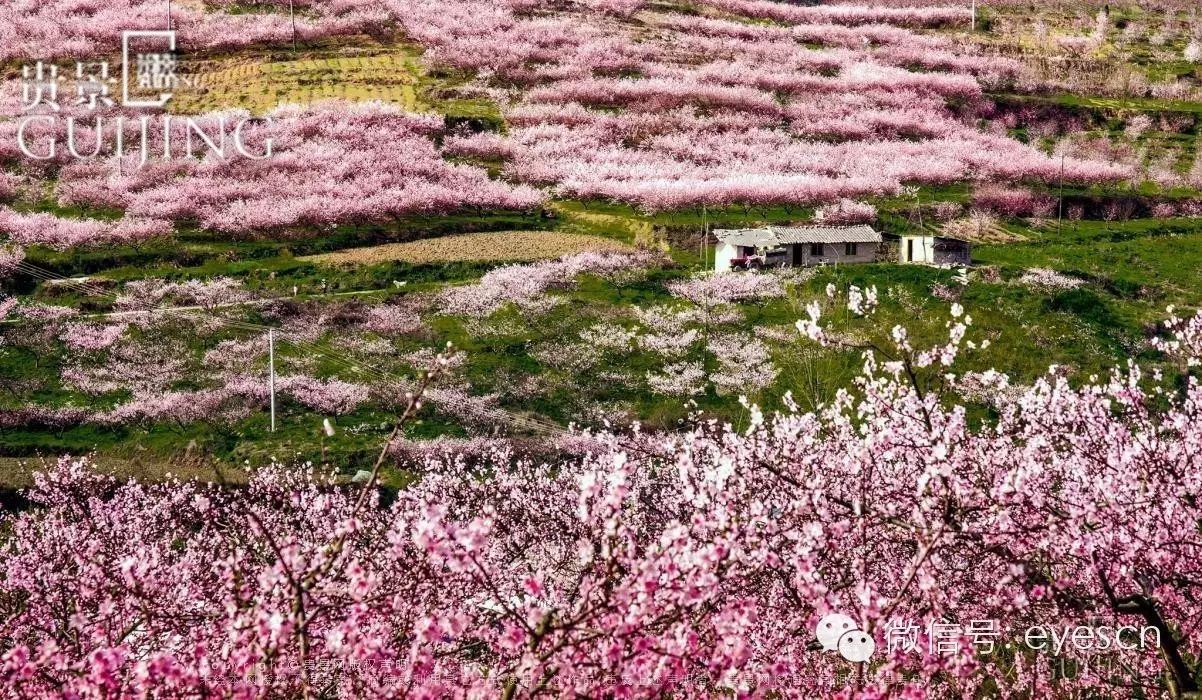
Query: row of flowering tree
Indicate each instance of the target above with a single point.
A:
(825, 103)
(85, 29)
(335, 163)
(694, 564)
(128, 366)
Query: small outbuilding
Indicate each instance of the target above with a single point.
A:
(934, 250)
(787, 246)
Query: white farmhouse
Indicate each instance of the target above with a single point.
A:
(794, 246)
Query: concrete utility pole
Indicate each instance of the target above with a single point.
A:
(292, 15)
(1060, 208)
(271, 373)
(974, 15)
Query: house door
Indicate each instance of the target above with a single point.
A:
(910, 250)
(797, 261)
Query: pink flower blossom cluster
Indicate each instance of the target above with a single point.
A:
(332, 397)
(142, 369)
(41, 29)
(618, 8)
(609, 336)
(698, 110)
(46, 313)
(41, 416)
(7, 304)
(472, 410)
(147, 294)
(1193, 51)
(236, 355)
(9, 185)
(392, 319)
(707, 110)
(231, 402)
(745, 364)
(683, 378)
(710, 290)
(90, 337)
(61, 233)
(844, 212)
(1097, 76)
(150, 373)
(337, 162)
(1183, 338)
(692, 564)
(1185, 209)
(1013, 202)
(849, 14)
(1048, 279)
(741, 364)
(10, 257)
(669, 343)
(525, 285)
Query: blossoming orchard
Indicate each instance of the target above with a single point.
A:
(601, 349)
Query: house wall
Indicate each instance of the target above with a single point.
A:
(924, 249)
(723, 254)
(833, 253)
(935, 251)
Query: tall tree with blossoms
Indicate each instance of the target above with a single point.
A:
(695, 563)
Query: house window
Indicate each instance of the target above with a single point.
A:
(849, 248)
(816, 249)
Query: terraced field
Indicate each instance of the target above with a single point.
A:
(353, 70)
(260, 86)
(498, 246)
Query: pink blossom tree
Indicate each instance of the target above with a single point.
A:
(697, 563)
(61, 233)
(846, 211)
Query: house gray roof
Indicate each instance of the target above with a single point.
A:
(826, 234)
(783, 235)
(748, 237)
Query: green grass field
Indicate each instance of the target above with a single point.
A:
(1132, 270)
